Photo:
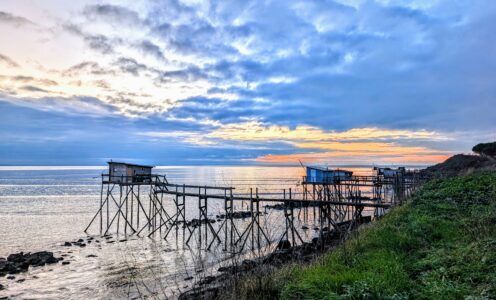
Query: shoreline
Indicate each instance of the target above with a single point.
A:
(447, 226)
(211, 286)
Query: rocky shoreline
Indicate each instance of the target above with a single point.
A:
(207, 286)
(21, 262)
(211, 287)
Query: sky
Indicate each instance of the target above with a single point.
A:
(344, 82)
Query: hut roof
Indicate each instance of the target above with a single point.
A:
(129, 164)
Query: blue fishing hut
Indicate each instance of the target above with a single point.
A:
(320, 175)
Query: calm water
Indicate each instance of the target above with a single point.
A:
(43, 207)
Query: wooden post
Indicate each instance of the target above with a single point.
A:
(101, 208)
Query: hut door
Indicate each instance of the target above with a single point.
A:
(313, 175)
(130, 174)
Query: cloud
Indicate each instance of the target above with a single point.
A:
(14, 20)
(72, 106)
(151, 49)
(307, 59)
(221, 110)
(189, 74)
(350, 158)
(130, 65)
(256, 131)
(112, 13)
(8, 61)
(184, 136)
(98, 42)
(314, 145)
(301, 78)
(11, 82)
(31, 88)
(90, 67)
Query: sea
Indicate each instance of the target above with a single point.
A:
(43, 207)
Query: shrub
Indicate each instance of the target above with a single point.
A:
(488, 149)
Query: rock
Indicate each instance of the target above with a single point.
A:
(197, 222)
(241, 214)
(248, 264)
(275, 206)
(307, 248)
(207, 280)
(82, 245)
(110, 242)
(80, 240)
(91, 255)
(16, 257)
(11, 277)
(67, 244)
(199, 270)
(188, 278)
(65, 262)
(123, 240)
(21, 280)
(304, 227)
(284, 245)
(2, 287)
(20, 262)
(224, 269)
(200, 293)
(316, 228)
(3, 262)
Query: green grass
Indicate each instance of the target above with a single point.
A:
(440, 245)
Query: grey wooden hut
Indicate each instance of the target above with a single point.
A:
(122, 172)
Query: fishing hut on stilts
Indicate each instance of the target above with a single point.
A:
(135, 201)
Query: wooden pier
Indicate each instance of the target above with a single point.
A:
(146, 204)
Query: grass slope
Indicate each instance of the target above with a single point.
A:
(440, 245)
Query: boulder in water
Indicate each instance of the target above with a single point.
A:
(20, 262)
(284, 245)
